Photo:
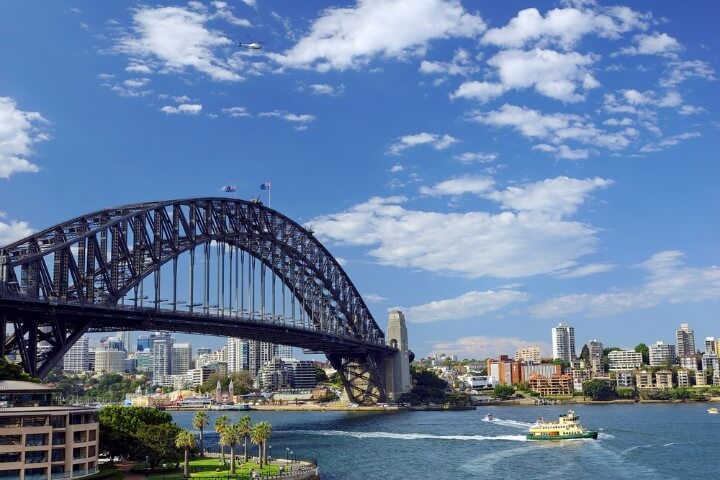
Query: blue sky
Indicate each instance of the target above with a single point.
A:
(493, 168)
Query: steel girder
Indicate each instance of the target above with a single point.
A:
(99, 257)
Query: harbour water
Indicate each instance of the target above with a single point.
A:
(669, 441)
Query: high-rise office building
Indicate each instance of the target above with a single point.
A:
(563, 343)
(125, 338)
(258, 354)
(710, 346)
(237, 355)
(283, 351)
(596, 356)
(181, 358)
(661, 354)
(685, 339)
(77, 358)
(144, 342)
(161, 353)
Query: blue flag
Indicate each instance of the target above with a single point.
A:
(265, 186)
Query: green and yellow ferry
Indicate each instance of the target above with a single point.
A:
(566, 428)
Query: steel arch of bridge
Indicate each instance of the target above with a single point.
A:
(63, 281)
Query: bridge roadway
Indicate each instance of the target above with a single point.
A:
(99, 318)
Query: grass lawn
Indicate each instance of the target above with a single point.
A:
(212, 467)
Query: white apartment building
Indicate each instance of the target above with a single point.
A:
(181, 358)
(624, 360)
(661, 354)
(685, 339)
(77, 359)
(109, 361)
(528, 354)
(237, 354)
(563, 343)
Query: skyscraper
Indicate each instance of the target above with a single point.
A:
(161, 353)
(563, 343)
(283, 351)
(259, 353)
(77, 358)
(125, 338)
(181, 358)
(685, 339)
(237, 354)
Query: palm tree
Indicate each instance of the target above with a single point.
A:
(231, 436)
(245, 429)
(200, 421)
(221, 424)
(186, 441)
(260, 435)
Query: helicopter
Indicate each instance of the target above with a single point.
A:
(251, 45)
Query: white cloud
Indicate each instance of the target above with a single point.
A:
(553, 74)
(563, 151)
(619, 122)
(138, 68)
(13, 230)
(224, 12)
(461, 64)
(691, 110)
(178, 38)
(236, 112)
(476, 157)
(480, 347)
(558, 197)
(468, 305)
(458, 186)
(374, 298)
(301, 121)
(473, 244)
(19, 132)
(668, 280)
(683, 70)
(669, 142)
(136, 82)
(558, 128)
(653, 44)
(397, 168)
(327, 89)
(586, 270)
(186, 108)
(349, 37)
(438, 142)
(564, 26)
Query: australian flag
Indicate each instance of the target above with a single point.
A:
(229, 188)
(265, 186)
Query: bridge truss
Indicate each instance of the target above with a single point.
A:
(214, 266)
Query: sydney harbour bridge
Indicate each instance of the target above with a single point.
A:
(215, 266)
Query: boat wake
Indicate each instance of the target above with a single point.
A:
(510, 423)
(407, 436)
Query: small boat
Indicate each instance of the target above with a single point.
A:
(712, 410)
(568, 427)
(488, 417)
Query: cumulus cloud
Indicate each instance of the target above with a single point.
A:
(668, 280)
(461, 64)
(301, 121)
(653, 44)
(13, 230)
(679, 71)
(553, 74)
(437, 141)
(468, 305)
(349, 37)
(557, 128)
(458, 186)
(19, 132)
(327, 89)
(185, 108)
(485, 347)
(564, 26)
(236, 112)
(539, 237)
(476, 157)
(178, 39)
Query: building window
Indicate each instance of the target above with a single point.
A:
(9, 457)
(10, 422)
(35, 439)
(80, 437)
(10, 439)
(57, 469)
(35, 474)
(91, 451)
(35, 457)
(81, 418)
(58, 421)
(34, 421)
(10, 474)
(58, 454)
(80, 452)
(92, 435)
(58, 438)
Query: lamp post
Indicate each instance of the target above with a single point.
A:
(270, 452)
(287, 454)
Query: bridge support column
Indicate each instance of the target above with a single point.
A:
(361, 377)
(396, 368)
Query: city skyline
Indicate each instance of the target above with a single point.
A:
(483, 178)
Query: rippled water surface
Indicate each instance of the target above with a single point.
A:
(636, 441)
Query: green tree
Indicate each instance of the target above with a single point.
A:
(320, 375)
(645, 351)
(626, 393)
(585, 353)
(221, 423)
(598, 390)
(559, 361)
(503, 391)
(245, 428)
(328, 396)
(200, 421)
(231, 436)
(186, 441)
(121, 426)
(259, 435)
(13, 371)
(157, 444)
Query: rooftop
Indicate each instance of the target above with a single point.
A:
(19, 386)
